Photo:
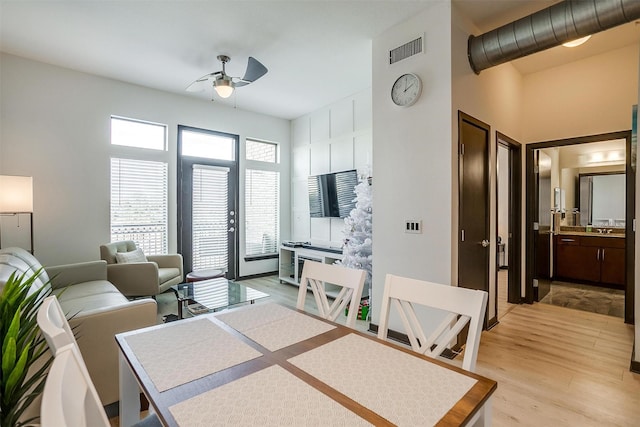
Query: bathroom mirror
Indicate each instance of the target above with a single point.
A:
(602, 199)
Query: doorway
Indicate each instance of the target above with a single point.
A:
(473, 241)
(578, 250)
(508, 223)
(208, 200)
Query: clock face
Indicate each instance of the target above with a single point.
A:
(406, 90)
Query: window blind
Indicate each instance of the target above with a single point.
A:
(210, 217)
(139, 203)
(262, 213)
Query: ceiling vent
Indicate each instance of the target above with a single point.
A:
(406, 50)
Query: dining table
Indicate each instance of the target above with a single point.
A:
(268, 364)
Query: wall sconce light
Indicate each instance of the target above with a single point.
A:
(16, 198)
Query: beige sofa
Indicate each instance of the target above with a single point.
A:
(98, 311)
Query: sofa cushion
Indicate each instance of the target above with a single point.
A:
(89, 296)
(132, 256)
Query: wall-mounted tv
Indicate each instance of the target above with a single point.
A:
(332, 195)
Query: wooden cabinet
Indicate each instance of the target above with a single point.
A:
(599, 260)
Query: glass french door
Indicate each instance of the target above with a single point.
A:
(207, 200)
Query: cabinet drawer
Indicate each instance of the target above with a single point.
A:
(568, 240)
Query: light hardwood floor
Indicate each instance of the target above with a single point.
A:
(554, 366)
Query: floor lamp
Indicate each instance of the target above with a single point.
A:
(16, 198)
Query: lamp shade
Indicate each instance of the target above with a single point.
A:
(16, 194)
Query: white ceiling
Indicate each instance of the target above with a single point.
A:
(317, 52)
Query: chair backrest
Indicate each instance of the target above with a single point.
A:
(54, 326)
(108, 251)
(351, 281)
(463, 306)
(69, 397)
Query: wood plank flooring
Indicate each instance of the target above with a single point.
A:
(554, 366)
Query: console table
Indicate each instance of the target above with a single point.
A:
(292, 260)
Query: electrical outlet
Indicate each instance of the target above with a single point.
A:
(413, 226)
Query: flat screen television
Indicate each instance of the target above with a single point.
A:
(332, 195)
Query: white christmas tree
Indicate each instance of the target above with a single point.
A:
(356, 252)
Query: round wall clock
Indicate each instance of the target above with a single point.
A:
(406, 90)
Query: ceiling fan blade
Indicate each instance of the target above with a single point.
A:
(200, 84)
(255, 70)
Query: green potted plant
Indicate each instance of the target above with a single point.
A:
(25, 355)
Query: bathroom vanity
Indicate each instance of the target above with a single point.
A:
(590, 257)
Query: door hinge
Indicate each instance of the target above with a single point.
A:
(462, 235)
(536, 226)
(462, 149)
(536, 169)
(535, 283)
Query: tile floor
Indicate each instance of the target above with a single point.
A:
(594, 299)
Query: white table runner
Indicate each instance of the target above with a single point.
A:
(400, 387)
(273, 326)
(270, 397)
(178, 353)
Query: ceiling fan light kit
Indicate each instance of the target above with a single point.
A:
(225, 84)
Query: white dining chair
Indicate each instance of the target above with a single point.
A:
(462, 306)
(315, 275)
(54, 325)
(70, 397)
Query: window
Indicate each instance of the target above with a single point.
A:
(139, 134)
(207, 145)
(139, 203)
(262, 151)
(262, 199)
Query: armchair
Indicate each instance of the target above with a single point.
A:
(145, 278)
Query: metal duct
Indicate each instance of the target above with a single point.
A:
(550, 27)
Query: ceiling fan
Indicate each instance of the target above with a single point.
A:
(223, 83)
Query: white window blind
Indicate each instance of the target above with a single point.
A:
(139, 203)
(262, 198)
(262, 213)
(210, 217)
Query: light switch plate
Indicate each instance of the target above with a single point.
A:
(413, 226)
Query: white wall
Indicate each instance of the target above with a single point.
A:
(332, 139)
(412, 156)
(586, 97)
(55, 127)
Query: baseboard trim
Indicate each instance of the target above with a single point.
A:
(635, 365)
(256, 276)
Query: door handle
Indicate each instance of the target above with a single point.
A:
(231, 230)
(598, 255)
(602, 254)
(485, 243)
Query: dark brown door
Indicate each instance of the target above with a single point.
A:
(473, 239)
